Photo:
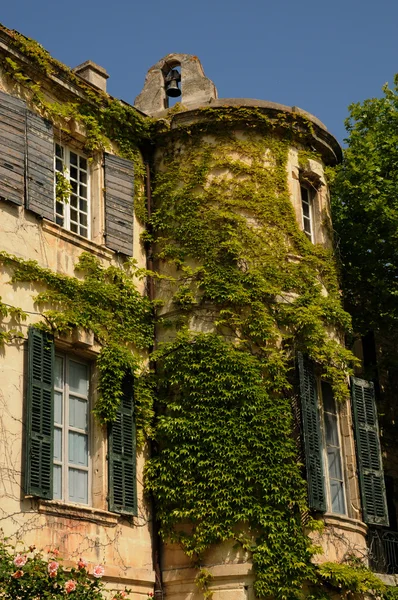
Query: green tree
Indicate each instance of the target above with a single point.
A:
(365, 206)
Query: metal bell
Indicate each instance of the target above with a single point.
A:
(172, 79)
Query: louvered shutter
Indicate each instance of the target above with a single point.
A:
(312, 436)
(40, 192)
(40, 414)
(370, 465)
(119, 203)
(122, 459)
(12, 148)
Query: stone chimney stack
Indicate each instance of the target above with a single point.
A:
(92, 73)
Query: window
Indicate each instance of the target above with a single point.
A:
(324, 457)
(71, 435)
(57, 436)
(308, 212)
(74, 214)
(332, 452)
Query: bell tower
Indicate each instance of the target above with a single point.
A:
(173, 76)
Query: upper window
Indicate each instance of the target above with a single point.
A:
(74, 213)
(308, 211)
(71, 432)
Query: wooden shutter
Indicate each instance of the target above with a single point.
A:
(12, 148)
(40, 414)
(119, 203)
(122, 455)
(370, 465)
(40, 191)
(312, 436)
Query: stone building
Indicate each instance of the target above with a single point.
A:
(245, 175)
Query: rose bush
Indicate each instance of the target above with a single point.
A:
(29, 575)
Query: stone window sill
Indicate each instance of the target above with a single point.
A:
(344, 522)
(79, 512)
(77, 240)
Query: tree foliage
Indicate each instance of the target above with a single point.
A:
(365, 206)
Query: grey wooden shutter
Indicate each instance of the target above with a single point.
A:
(40, 191)
(122, 455)
(312, 436)
(119, 203)
(12, 148)
(370, 465)
(40, 414)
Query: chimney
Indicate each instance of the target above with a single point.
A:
(92, 73)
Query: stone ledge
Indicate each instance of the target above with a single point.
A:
(82, 513)
(75, 239)
(219, 571)
(346, 523)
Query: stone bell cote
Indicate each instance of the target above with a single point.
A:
(171, 71)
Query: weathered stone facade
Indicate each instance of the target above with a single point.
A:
(125, 545)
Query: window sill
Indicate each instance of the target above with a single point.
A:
(77, 240)
(57, 508)
(346, 523)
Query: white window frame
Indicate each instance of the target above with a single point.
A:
(67, 206)
(328, 478)
(309, 201)
(66, 428)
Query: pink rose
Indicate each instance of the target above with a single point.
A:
(20, 561)
(70, 586)
(82, 564)
(17, 574)
(53, 568)
(98, 571)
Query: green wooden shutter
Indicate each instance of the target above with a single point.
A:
(122, 455)
(40, 414)
(312, 436)
(370, 464)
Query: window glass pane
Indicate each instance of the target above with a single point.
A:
(78, 413)
(328, 399)
(332, 435)
(306, 210)
(307, 226)
(57, 482)
(73, 173)
(78, 378)
(78, 486)
(337, 497)
(83, 163)
(78, 448)
(58, 165)
(83, 231)
(57, 444)
(334, 463)
(73, 158)
(59, 373)
(83, 177)
(73, 227)
(83, 191)
(58, 408)
(73, 185)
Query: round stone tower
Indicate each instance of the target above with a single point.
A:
(242, 237)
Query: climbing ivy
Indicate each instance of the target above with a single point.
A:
(103, 300)
(228, 468)
(106, 120)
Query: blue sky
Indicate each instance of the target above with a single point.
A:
(318, 55)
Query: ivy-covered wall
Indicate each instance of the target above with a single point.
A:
(244, 291)
(239, 291)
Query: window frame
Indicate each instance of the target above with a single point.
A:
(65, 427)
(327, 475)
(311, 195)
(67, 207)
